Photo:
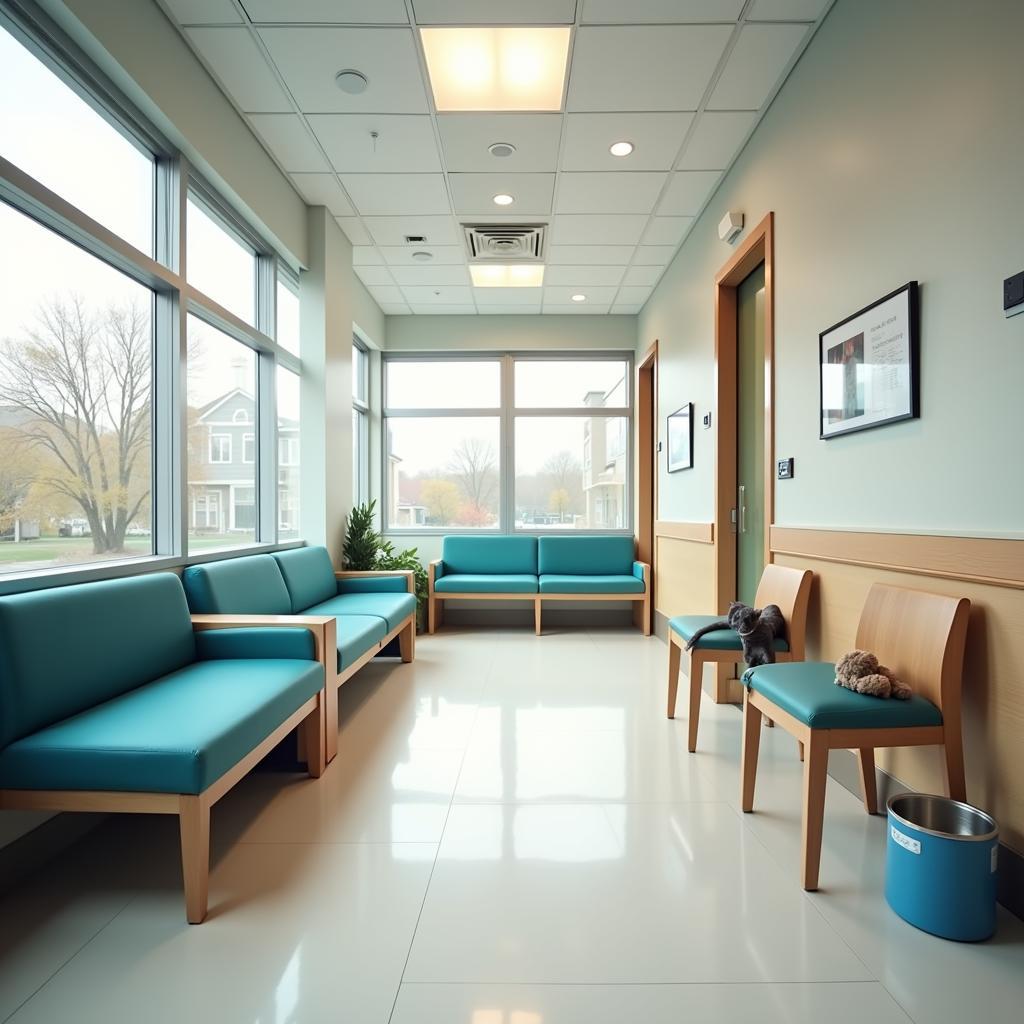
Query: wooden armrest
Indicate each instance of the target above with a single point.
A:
(243, 621)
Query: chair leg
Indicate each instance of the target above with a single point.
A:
(431, 614)
(313, 736)
(194, 824)
(953, 748)
(674, 659)
(647, 612)
(536, 616)
(696, 678)
(330, 717)
(407, 641)
(815, 774)
(748, 757)
(868, 782)
(800, 749)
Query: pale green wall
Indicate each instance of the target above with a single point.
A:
(894, 152)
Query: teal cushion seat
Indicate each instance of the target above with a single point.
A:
(252, 585)
(178, 734)
(505, 556)
(356, 635)
(718, 640)
(392, 608)
(807, 691)
(585, 556)
(552, 583)
(308, 574)
(486, 583)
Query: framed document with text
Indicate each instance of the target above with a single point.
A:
(868, 366)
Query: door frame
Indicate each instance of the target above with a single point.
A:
(646, 403)
(757, 247)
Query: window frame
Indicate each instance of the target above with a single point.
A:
(507, 414)
(174, 299)
(361, 425)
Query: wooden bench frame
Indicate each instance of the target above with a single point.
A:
(921, 637)
(435, 599)
(324, 630)
(193, 810)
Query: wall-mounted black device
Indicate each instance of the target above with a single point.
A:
(785, 469)
(1013, 295)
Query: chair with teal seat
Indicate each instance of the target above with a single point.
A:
(921, 637)
(788, 588)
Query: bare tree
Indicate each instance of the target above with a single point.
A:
(84, 381)
(564, 470)
(474, 466)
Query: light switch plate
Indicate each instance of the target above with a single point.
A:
(785, 469)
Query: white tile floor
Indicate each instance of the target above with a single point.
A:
(513, 833)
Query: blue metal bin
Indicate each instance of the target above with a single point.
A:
(940, 868)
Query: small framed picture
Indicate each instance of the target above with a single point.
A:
(868, 366)
(680, 439)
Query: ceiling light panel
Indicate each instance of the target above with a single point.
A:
(507, 275)
(496, 68)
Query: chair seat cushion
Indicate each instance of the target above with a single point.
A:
(558, 583)
(178, 734)
(487, 583)
(392, 608)
(719, 639)
(356, 635)
(808, 692)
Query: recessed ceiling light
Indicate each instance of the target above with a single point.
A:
(422, 257)
(507, 275)
(496, 68)
(621, 148)
(504, 199)
(501, 149)
(579, 297)
(351, 81)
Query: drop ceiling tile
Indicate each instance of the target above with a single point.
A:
(323, 190)
(756, 64)
(290, 141)
(577, 276)
(655, 68)
(633, 296)
(366, 256)
(609, 191)
(620, 309)
(787, 10)
(404, 142)
(687, 192)
(395, 309)
(561, 296)
(611, 229)
(392, 231)
(526, 309)
(390, 295)
(643, 277)
(473, 194)
(576, 308)
(666, 230)
(354, 230)
(386, 195)
(426, 309)
(237, 63)
(465, 138)
(656, 138)
(309, 58)
(716, 140)
(428, 275)
(337, 12)
(659, 11)
(494, 12)
(507, 296)
(204, 12)
(605, 255)
(401, 255)
(375, 277)
(653, 255)
(447, 295)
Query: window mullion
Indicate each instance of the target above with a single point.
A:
(266, 451)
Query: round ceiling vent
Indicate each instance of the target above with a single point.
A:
(422, 257)
(501, 149)
(351, 81)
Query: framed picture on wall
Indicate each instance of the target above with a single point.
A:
(868, 366)
(680, 438)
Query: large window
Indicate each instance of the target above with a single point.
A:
(132, 392)
(508, 443)
(360, 423)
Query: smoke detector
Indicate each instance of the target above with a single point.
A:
(501, 149)
(351, 81)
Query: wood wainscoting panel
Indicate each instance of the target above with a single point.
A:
(685, 574)
(993, 685)
(698, 533)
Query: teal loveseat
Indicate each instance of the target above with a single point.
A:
(357, 613)
(110, 702)
(538, 569)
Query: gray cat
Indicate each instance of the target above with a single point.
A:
(757, 628)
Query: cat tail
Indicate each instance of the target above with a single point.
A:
(703, 631)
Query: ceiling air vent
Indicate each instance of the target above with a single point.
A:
(505, 242)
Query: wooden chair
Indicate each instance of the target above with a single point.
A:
(789, 588)
(921, 637)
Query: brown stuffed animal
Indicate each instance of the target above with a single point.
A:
(859, 671)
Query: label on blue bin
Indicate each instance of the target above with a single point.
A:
(905, 841)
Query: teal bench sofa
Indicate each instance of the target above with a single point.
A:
(356, 613)
(110, 702)
(538, 569)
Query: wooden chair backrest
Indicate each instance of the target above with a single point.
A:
(921, 637)
(790, 589)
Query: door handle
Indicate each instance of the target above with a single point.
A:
(742, 504)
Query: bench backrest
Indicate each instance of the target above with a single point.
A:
(67, 649)
(252, 585)
(506, 555)
(586, 556)
(309, 575)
